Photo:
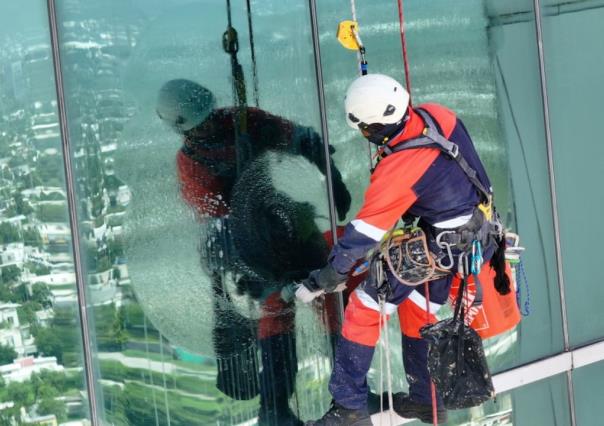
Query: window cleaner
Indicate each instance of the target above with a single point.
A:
(439, 179)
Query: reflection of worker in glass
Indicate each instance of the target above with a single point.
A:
(281, 244)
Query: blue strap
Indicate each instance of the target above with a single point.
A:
(364, 68)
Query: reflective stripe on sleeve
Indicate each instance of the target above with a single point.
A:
(368, 230)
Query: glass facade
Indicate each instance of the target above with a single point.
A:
(210, 166)
(516, 72)
(573, 101)
(586, 389)
(40, 335)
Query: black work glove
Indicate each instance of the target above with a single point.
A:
(326, 279)
(320, 281)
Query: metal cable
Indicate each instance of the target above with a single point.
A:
(253, 54)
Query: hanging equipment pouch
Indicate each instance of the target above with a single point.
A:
(456, 361)
(408, 257)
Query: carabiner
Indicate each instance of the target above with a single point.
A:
(462, 266)
(449, 256)
(477, 260)
(445, 246)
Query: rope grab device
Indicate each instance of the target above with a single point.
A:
(348, 35)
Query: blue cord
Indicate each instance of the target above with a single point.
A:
(521, 277)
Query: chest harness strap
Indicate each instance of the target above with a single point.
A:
(431, 138)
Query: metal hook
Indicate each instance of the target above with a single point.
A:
(462, 267)
(445, 246)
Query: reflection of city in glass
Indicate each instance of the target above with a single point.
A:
(200, 178)
(40, 343)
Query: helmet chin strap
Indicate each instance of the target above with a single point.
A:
(382, 136)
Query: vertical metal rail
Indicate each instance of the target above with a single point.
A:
(314, 27)
(571, 396)
(73, 221)
(554, 198)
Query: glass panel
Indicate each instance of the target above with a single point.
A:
(40, 341)
(197, 208)
(515, 63)
(541, 403)
(574, 99)
(479, 59)
(587, 385)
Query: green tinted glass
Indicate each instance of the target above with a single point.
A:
(571, 32)
(480, 60)
(200, 171)
(40, 337)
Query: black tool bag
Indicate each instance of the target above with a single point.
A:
(456, 361)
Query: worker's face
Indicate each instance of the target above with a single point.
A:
(369, 130)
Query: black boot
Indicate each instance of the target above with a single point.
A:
(405, 407)
(340, 416)
(377, 403)
(283, 417)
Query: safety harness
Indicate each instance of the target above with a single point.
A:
(431, 138)
(483, 229)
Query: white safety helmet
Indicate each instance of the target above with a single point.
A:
(184, 104)
(375, 99)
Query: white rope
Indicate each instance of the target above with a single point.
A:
(387, 350)
(353, 9)
(381, 368)
(383, 322)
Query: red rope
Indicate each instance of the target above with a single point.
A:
(401, 19)
(432, 386)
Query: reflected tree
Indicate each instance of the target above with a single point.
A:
(7, 354)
